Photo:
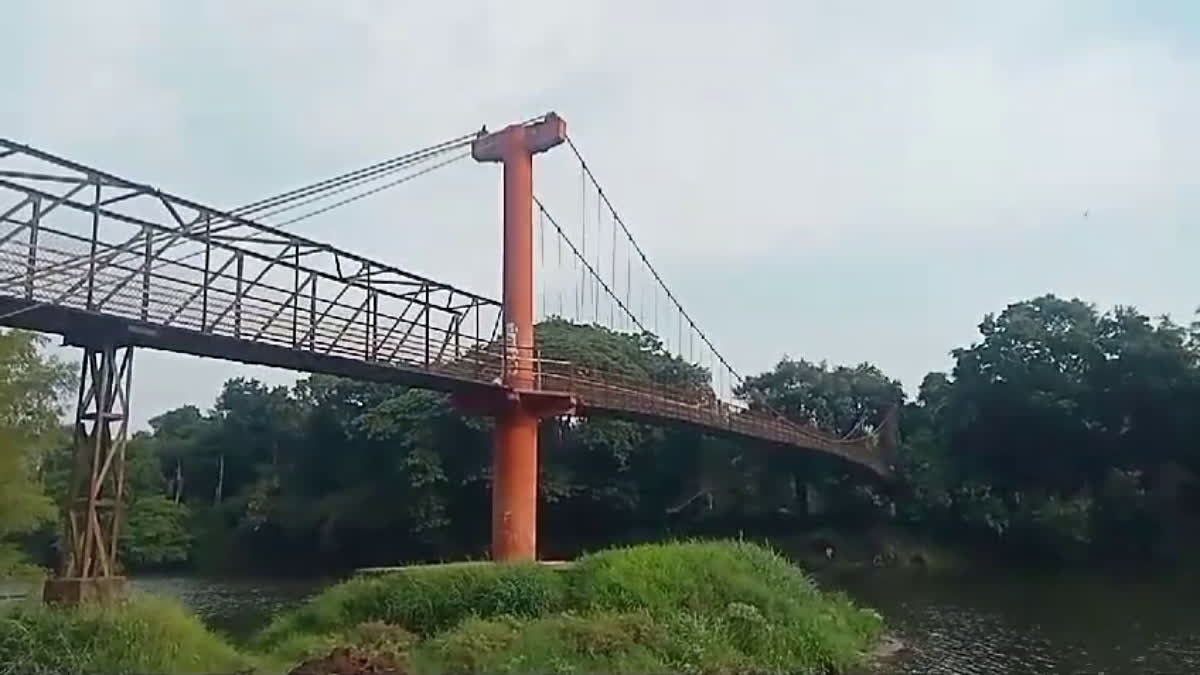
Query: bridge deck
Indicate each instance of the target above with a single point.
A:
(96, 258)
(613, 396)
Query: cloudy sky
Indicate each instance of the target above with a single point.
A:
(846, 181)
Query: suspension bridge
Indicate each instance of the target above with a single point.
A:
(113, 264)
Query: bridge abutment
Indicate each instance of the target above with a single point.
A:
(89, 570)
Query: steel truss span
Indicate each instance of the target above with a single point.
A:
(106, 261)
(83, 251)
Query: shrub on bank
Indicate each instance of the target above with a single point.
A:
(769, 609)
(697, 607)
(423, 600)
(597, 642)
(681, 607)
(143, 634)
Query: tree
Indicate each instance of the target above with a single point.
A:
(400, 454)
(1060, 432)
(180, 438)
(605, 477)
(1145, 391)
(1020, 411)
(155, 533)
(32, 386)
(1055, 428)
(841, 400)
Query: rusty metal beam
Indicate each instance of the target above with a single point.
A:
(93, 512)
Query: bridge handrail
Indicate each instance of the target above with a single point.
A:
(54, 265)
(482, 364)
(87, 175)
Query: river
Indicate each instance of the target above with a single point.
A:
(985, 624)
(1052, 623)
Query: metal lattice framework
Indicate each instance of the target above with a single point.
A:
(79, 246)
(107, 261)
(93, 514)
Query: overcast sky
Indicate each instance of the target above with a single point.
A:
(847, 181)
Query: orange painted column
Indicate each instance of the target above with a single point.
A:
(515, 454)
(515, 487)
(515, 457)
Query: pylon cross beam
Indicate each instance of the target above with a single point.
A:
(533, 138)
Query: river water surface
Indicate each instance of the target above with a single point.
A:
(1067, 623)
(989, 623)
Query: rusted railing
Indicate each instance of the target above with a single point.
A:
(78, 243)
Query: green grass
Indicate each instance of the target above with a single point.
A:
(143, 634)
(424, 601)
(599, 642)
(692, 607)
(679, 607)
(768, 608)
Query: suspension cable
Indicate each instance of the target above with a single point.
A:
(593, 271)
(235, 217)
(374, 190)
(585, 264)
(365, 173)
(629, 235)
(603, 198)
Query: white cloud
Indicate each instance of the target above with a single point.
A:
(93, 76)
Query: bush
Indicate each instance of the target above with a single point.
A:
(683, 607)
(698, 607)
(141, 635)
(425, 600)
(602, 642)
(769, 609)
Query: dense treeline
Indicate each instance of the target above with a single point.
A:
(1063, 433)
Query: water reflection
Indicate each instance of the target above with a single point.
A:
(983, 625)
(236, 607)
(1038, 624)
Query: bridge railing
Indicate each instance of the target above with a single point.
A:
(75, 238)
(606, 390)
(171, 302)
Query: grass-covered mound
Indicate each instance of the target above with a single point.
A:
(422, 601)
(143, 634)
(683, 607)
(688, 607)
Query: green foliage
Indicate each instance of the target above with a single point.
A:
(600, 642)
(425, 600)
(1059, 434)
(157, 530)
(743, 609)
(772, 611)
(637, 355)
(1060, 526)
(142, 635)
(686, 607)
(338, 473)
(840, 399)
(1048, 434)
(155, 533)
(31, 387)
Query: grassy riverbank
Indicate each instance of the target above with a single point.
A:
(686, 607)
(144, 634)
